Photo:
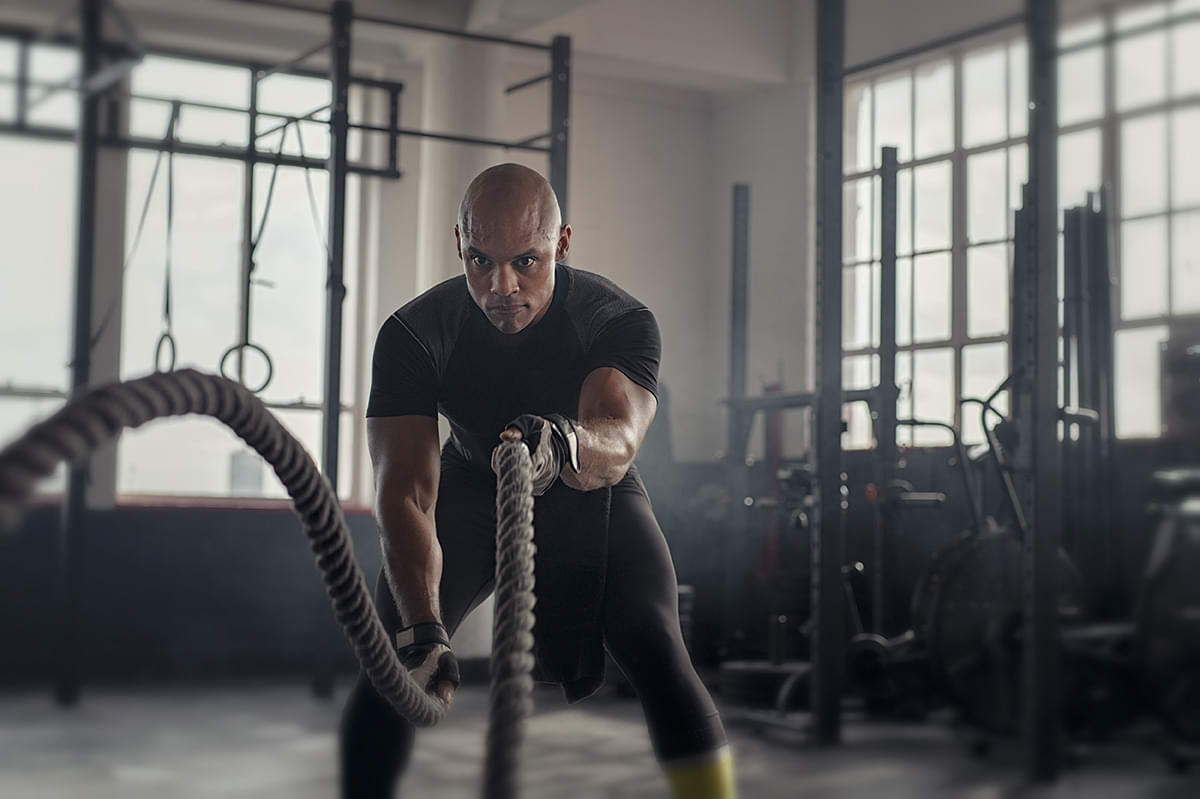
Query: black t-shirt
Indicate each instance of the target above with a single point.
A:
(439, 353)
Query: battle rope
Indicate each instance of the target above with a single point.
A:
(88, 422)
(512, 636)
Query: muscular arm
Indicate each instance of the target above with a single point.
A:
(614, 414)
(404, 454)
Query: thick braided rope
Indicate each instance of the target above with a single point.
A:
(94, 419)
(512, 647)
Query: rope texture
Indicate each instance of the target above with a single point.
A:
(96, 417)
(512, 636)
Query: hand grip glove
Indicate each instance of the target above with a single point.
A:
(424, 649)
(552, 444)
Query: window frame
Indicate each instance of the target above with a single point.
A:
(1109, 125)
(20, 128)
(959, 243)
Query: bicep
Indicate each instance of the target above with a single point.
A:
(405, 457)
(608, 393)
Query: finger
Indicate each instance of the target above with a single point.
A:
(445, 692)
(511, 434)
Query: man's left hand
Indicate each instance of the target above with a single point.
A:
(552, 444)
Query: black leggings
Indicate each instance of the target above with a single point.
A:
(641, 632)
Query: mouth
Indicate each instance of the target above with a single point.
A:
(506, 310)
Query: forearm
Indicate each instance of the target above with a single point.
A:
(606, 451)
(412, 559)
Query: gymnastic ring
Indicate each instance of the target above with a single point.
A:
(246, 345)
(165, 338)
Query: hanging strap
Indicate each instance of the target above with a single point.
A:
(166, 341)
(256, 237)
(141, 226)
(312, 198)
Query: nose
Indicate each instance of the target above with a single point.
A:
(504, 281)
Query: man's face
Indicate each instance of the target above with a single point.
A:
(509, 261)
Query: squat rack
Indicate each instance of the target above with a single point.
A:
(1035, 343)
(559, 77)
(102, 65)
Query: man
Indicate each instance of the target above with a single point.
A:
(525, 347)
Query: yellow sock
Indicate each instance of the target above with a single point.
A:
(709, 776)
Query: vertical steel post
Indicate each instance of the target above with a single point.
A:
(393, 126)
(737, 421)
(335, 288)
(1072, 388)
(22, 80)
(248, 223)
(738, 320)
(885, 444)
(1082, 509)
(560, 117)
(74, 509)
(1103, 388)
(828, 601)
(1042, 657)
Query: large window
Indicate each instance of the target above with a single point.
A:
(37, 258)
(1129, 117)
(957, 164)
(286, 296)
(206, 258)
(1152, 114)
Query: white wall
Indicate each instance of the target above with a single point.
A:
(764, 140)
(698, 43)
(463, 94)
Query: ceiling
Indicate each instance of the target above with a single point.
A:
(728, 46)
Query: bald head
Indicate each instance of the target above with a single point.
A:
(509, 196)
(510, 236)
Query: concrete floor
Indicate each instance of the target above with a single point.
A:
(278, 741)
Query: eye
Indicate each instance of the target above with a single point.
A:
(525, 262)
(479, 260)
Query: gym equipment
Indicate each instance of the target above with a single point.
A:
(892, 674)
(1088, 365)
(772, 616)
(167, 338)
(98, 416)
(250, 265)
(1179, 368)
(972, 625)
(1168, 616)
(1151, 661)
(964, 643)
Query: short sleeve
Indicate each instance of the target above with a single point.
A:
(404, 379)
(631, 344)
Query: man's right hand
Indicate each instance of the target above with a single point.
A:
(424, 649)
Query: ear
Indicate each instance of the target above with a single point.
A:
(458, 242)
(564, 243)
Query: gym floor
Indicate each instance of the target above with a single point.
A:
(277, 741)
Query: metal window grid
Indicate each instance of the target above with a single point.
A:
(1109, 122)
